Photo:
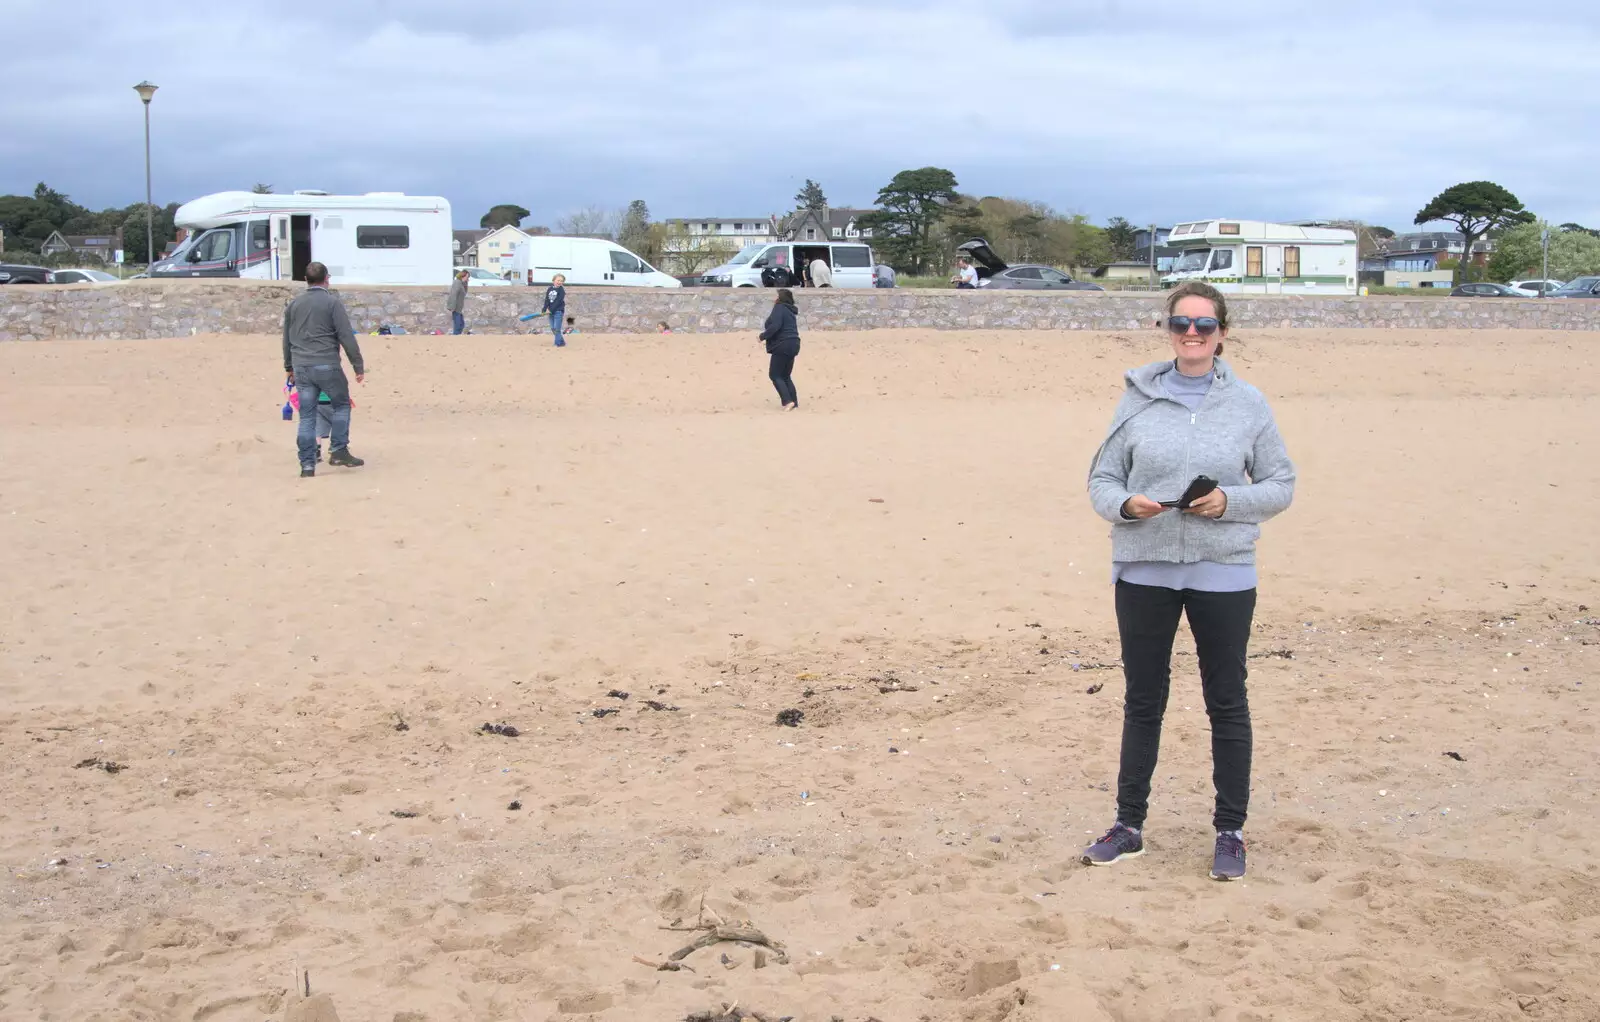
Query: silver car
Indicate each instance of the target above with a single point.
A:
(995, 274)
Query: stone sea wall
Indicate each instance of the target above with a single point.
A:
(140, 309)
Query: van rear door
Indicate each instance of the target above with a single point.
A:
(852, 266)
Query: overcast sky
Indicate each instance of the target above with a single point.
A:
(1153, 110)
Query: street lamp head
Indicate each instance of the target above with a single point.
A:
(145, 91)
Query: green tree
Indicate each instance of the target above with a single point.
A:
(1519, 253)
(502, 215)
(810, 196)
(133, 232)
(911, 205)
(1569, 226)
(261, 189)
(634, 231)
(1120, 238)
(1474, 207)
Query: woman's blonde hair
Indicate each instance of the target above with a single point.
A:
(1218, 303)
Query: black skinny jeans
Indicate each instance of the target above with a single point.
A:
(1147, 618)
(779, 372)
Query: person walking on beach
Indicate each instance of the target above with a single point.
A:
(555, 303)
(457, 303)
(315, 327)
(1180, 419)
(782, 334)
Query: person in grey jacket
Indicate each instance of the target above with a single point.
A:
(456, 304)
(1180, 419)
(315, 327)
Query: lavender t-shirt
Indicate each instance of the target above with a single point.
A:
(1203, 576)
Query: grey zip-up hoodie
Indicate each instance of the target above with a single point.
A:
(1156, 447)
(457, 302)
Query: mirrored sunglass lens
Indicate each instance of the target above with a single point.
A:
(1205, 326)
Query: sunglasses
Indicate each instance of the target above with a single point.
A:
(1205, 326)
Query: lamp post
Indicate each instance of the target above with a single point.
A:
(146, 91)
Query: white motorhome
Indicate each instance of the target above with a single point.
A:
(582, 261)
(376, 238)
(1256, 257)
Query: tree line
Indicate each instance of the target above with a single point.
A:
(919, 220)
(29, 220)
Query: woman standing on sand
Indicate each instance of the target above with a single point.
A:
(782, 334)
(1181, 419)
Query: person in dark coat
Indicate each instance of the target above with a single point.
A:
(782, 334)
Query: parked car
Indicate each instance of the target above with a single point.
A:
(13, 273)
(993, 272)
(1534, 288)
(82, 277)
(1581, 287)
(1486, 291)
(477, 276)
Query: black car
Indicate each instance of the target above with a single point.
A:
(1582, 287)
(1486, 291)
(993, 272)
(11, 273)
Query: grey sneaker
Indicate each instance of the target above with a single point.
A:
(1227, 863)
(1118, 843)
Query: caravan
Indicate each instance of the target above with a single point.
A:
(581, 261)
(376, 238)
(1255, 257)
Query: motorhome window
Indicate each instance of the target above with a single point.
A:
(383, 237)
(1222, 259)
(622, 262)
(1227, 228)
(1291, 260)
(214, 246)
(745, 255)
(260, 235)
(1192, 262)
(852, 255)
(1252, 261)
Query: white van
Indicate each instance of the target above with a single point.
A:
(852, 263)
(582, 261)
(376, 238)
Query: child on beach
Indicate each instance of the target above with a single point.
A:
(555, 303)
(572, 325)
(324, 415)
(662, 328)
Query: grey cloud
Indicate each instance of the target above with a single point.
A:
(1154, 110)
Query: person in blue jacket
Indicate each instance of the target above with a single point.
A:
(782, 334)
(555, 303)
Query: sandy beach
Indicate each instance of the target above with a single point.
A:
(241, 712)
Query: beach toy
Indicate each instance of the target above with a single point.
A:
(527, 316)
(288, 411)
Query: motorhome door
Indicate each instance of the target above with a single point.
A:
(282, 248)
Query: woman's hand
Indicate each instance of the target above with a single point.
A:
(1212, 505)
(1140, 506)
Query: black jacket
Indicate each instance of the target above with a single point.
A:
(782, 332)
(555, 299)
